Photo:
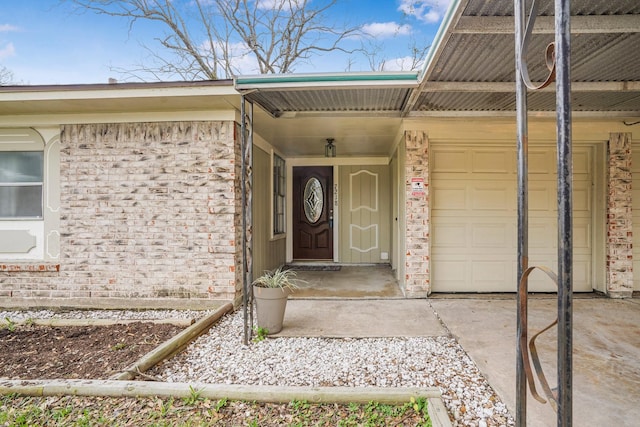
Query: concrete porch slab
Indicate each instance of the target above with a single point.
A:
(364, 318)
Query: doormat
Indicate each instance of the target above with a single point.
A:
(314, 267)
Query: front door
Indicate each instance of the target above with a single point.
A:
(313, 212)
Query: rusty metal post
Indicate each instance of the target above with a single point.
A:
(246, 148)
(245, 287)
(522, 144)
(565, 204)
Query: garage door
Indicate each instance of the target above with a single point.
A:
(474, 217)
(635, 185)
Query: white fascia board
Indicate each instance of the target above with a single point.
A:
(67, 93)
(59, 119)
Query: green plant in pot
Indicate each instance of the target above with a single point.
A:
(270, 292)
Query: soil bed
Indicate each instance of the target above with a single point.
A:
(92, 352)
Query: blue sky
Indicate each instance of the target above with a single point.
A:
(50, 42)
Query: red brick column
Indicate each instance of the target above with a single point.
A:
(417, 230)
(619, 217)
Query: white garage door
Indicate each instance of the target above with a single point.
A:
(474, 217)
(635, 185)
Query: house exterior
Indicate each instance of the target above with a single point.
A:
(131, 195)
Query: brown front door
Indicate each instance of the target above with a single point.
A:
(313, 212)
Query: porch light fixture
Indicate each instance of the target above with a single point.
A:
(330, 149)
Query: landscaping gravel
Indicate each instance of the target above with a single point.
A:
(220, 357)
(22, 315)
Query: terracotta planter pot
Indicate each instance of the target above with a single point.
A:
(270, 306)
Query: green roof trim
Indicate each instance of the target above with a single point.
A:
(326, 78)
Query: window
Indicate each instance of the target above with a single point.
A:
(21, 184)
(279, 189)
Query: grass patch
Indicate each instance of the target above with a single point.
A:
(196, 411)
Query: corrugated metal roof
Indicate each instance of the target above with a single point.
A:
(546, 7)
(479, 46)
(380, 92)
(331, 100)
(476, 45)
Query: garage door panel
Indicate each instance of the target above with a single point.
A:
(491, 197)
(581, 197)
(581, 164)
(450, 196)
(450, 161)
(582, 274)
(539, 163)
(474, 240)
(452, 274)
(491, 161)
(450, 235)
(494, 235)
(635, 194)
(540, 197)
(541, 236)
(635, 185)
(581, 236)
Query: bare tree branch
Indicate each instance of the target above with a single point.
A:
(6, 76)
(212, 39)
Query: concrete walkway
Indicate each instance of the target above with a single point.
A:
(606, 376)
(362, 318)
(606, 356)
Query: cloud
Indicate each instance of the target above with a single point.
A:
(7, 50)
(275, 4)
(429, 11)
(386, 29)
(405, 63)
(6, 28)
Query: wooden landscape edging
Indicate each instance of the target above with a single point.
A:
(265, 394)
(173, 345)
(56, 322)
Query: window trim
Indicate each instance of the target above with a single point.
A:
(46, 228)
(281, 187)
(40, 184)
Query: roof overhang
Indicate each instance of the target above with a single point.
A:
(118, 98)
(294, 95)
(470, 68)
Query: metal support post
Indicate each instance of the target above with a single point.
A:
(523, 217)
(565, 204)
(246, 148)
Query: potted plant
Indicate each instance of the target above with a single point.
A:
(270, 292)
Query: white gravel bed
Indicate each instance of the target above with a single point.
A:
(220, 357)
(22, 315)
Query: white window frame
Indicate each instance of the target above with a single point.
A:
(278, 196)
(34, 239)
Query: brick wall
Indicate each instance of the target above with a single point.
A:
(149, 212)
(619, 217)
(417, 262)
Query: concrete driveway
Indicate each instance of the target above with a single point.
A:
(606, 356)
(606, 374)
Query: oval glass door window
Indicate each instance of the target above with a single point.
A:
(313, 200)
